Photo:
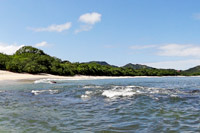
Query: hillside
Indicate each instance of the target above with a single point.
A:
(193, 71)
(102, 63)
(137, 66)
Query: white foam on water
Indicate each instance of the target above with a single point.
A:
(47, 81)
(118, 91)
(88, 92)
(86, 95)
(37, 92)
(111, 94)
(51, 81)
(174, 95)
(92, 86)
(153, 91)
(128, 91)
(53, 91)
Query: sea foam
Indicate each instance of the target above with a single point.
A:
(87, 94)
(128, 91)
(37, 92)
(47, 81)
(119, 91)
(92, 86)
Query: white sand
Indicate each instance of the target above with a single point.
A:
(10, 76)
(5, 75)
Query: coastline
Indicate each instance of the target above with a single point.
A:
(11, 76)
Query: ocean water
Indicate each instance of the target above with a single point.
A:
(160, 104)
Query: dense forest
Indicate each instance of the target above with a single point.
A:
(32, 60)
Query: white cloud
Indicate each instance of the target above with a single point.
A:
(196, 16)
(179, 64)
(179, 50)
(9, 49)
(54, 28)
(90, 18)
(41, 44)
(140, 47)
(191, 51)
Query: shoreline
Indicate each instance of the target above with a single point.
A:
(11, 76)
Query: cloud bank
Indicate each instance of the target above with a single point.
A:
(182, 51)
(179, 50)
(173, 49)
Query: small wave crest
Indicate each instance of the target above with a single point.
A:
(129, 91)
(92, 86)
(47, 81)
(37, 92)
(86, 95)
(120, 91)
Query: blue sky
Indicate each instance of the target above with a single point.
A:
(159, 33)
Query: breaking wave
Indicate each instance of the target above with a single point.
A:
(130, 91)
(122, 91)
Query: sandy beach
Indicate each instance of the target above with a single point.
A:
(6, 75)
(11, 76)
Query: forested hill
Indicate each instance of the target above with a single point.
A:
(32, 60)
(192, 71)
(137, 66)
(102, 63)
